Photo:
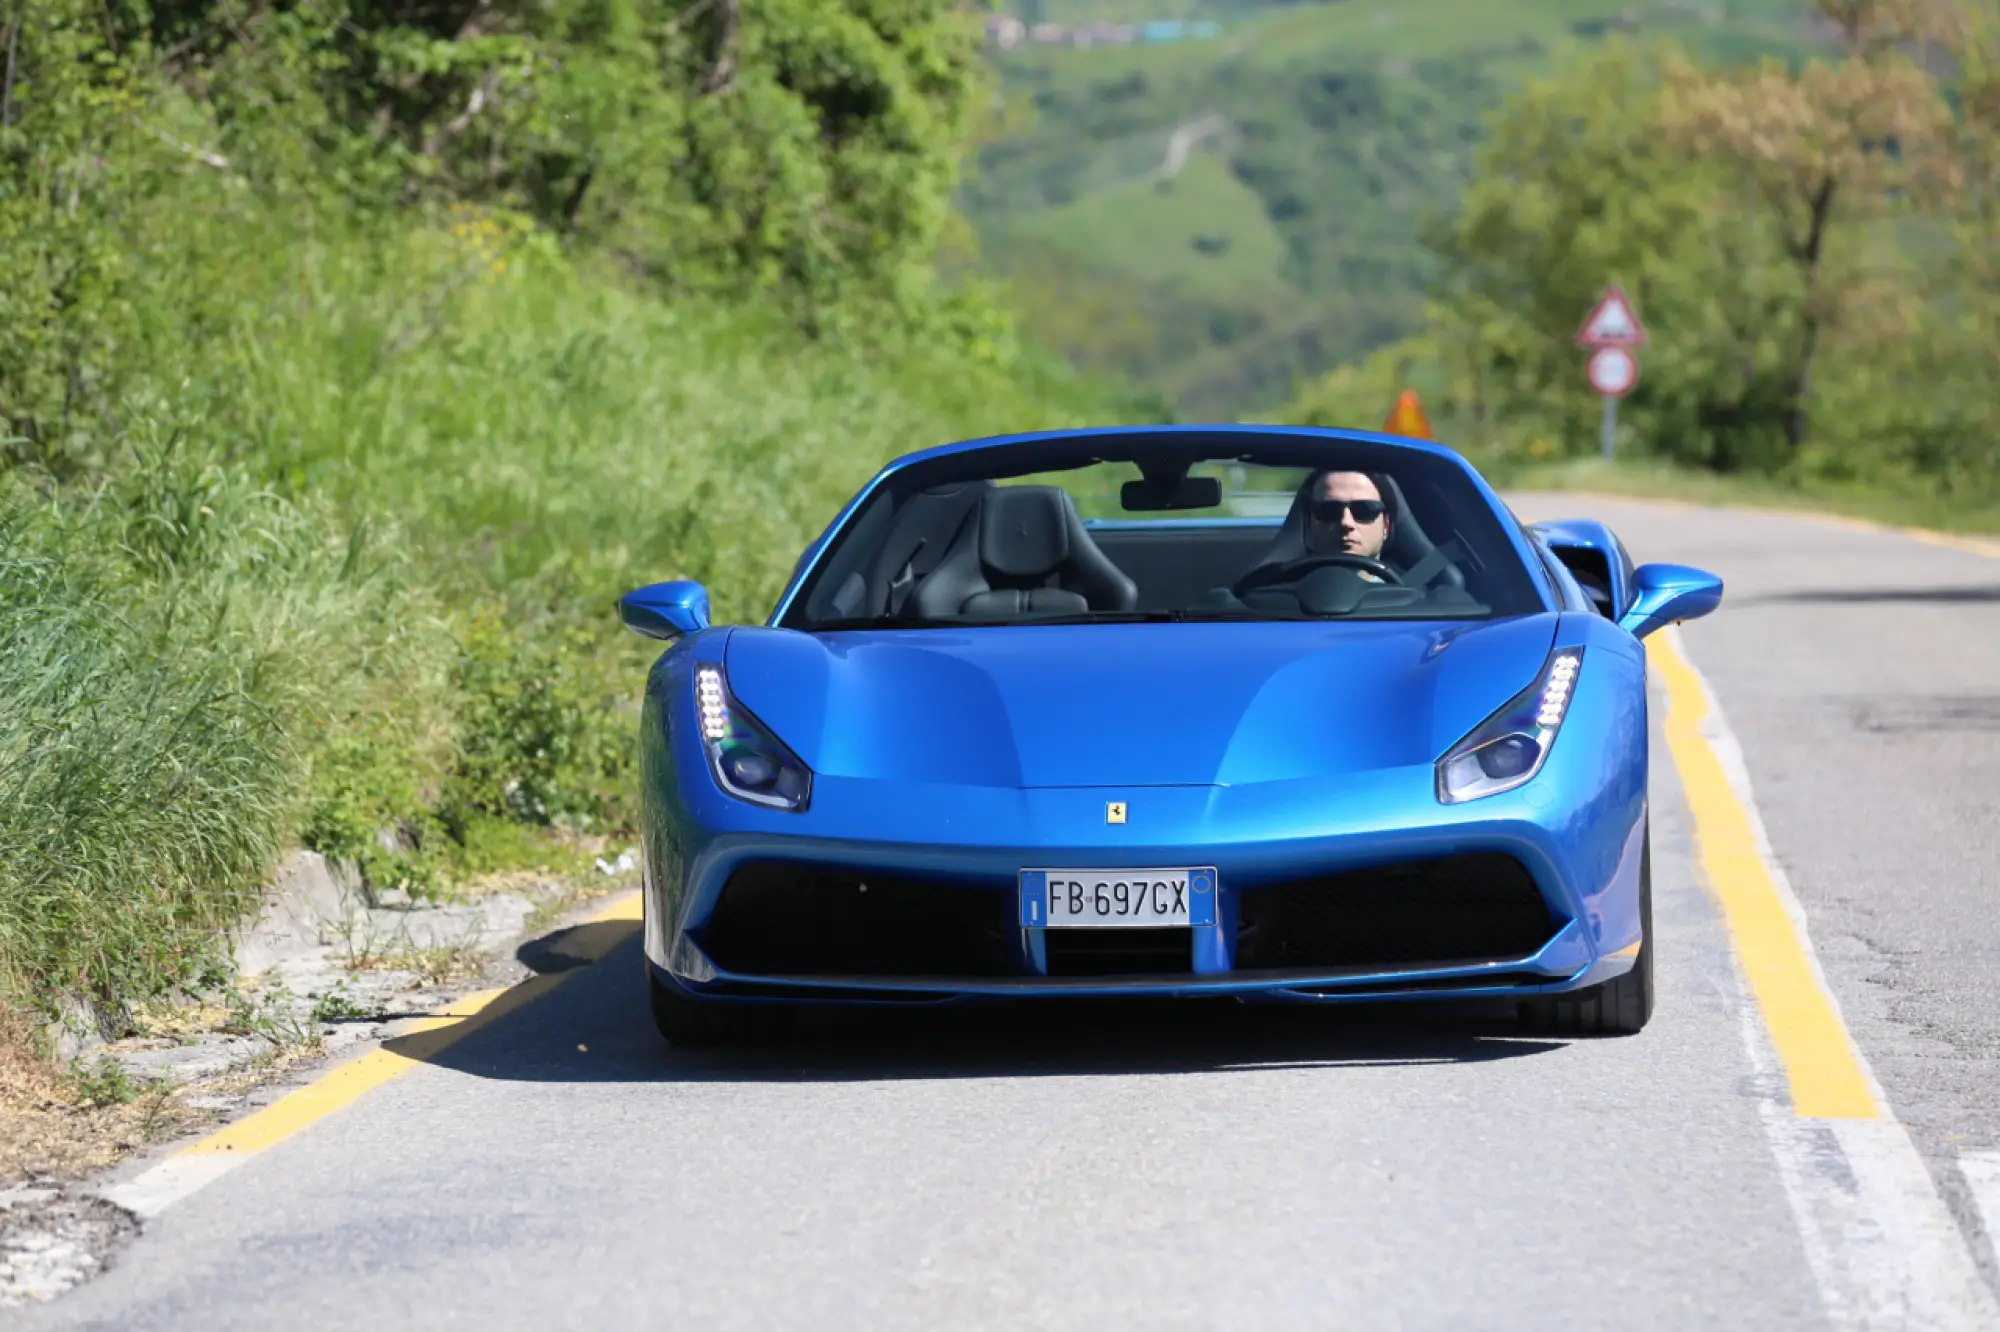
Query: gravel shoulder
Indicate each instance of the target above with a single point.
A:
(326, 969)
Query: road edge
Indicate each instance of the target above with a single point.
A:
(200, 1163)
(1883, 1246)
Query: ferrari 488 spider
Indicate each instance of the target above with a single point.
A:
(1202, 710)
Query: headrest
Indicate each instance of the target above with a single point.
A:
(1024, 530)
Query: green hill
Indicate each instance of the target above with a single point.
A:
(1291, 239)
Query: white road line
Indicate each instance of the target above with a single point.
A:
(160, 1187)
(1883, 1246)
(1982, 1176)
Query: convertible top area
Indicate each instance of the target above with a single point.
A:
(1171, 523)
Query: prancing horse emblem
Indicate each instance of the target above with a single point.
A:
(1114, 811)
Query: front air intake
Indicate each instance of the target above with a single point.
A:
(1456, 910)
(779, 919)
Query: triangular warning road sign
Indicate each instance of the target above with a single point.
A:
(1613, 323)
(1408, 417)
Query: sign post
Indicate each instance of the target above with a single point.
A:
(1611, 331)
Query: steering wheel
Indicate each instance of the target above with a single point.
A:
(1270, 575)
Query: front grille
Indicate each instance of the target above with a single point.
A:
(1459, 909)
(1155, 951)
(777, 919)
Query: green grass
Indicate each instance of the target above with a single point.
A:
(1200, 233)
(355, 589)
(1896, 505)
(175, 642)
(1358, 122)
(554, 439)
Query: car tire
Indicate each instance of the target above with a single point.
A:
(1618, 1007)
(683, 1020)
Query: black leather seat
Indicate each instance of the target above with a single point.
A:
(1027, 553)
(1406, 549)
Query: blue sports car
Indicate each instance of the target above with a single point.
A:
(1266, 712)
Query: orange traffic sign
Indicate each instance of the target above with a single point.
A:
(1612, 322)
(1408, 417)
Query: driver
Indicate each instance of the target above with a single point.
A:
(1347, 515)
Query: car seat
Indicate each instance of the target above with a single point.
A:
(1024, 552)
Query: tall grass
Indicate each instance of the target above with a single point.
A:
(355, 589)
(545, 433)
(175, 643)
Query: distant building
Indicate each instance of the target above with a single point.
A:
(1005, 31)
(1103, 34)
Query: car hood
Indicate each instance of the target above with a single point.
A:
(1131, 704)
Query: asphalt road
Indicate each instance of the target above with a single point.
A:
(1194, 1167)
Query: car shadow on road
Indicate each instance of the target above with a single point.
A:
(592, 1025)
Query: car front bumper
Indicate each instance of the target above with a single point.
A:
(1583, 862)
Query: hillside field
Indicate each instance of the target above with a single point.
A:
(1352, 126)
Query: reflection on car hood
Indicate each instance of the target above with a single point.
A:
(1131, 705)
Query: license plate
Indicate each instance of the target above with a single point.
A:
(1060, 898)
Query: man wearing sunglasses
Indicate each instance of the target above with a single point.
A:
(1347, 515)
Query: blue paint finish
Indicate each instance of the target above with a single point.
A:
(1589, 534)
(665, 610)
(1667, 593)
(1268, 751)
(1117, 705)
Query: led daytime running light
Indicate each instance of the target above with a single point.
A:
(1555, 698)
(708, 697)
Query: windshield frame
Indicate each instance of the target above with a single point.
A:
(1005, 457)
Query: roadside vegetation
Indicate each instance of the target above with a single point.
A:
(354, 358)
(1814, 247)
(1293, 239)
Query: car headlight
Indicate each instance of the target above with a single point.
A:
(1509, 748)
(747, 760)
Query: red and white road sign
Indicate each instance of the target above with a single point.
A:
(1612, 323)
(1613, 371)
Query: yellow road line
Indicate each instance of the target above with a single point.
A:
(1828, 1079)
(420, 1041)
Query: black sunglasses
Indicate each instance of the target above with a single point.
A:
(1328, 511)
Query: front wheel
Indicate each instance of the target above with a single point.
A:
(688, 1021)
(1621, 1005)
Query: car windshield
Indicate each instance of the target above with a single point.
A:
(1081, 529)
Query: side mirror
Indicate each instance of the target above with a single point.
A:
(1667, 593)
(665, 610)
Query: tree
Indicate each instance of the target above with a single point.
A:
(1578, 187)
(1828, 145)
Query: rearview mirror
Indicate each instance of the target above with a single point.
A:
(1193, 492)
(665, 610)
(1668, 593)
